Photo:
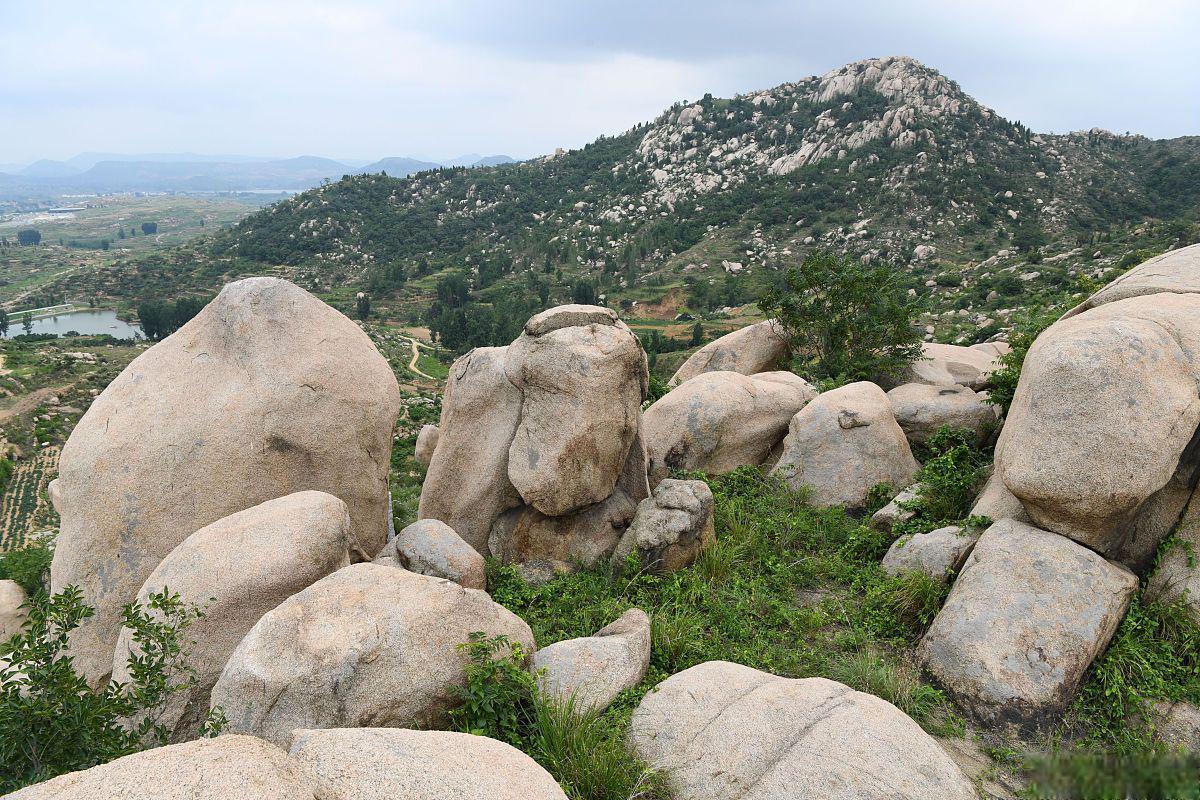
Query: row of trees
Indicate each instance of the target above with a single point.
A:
(161, 318)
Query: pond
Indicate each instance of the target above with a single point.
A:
(87, 321)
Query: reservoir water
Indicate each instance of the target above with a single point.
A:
(87, 321)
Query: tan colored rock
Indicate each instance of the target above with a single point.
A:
(1177, 726)
(967, 366)
(1177, 577)
(993, 349)
(719, 421)
(267, 391)
(936, 553)
(1028, 613)
(1173, 272)
(721, 731)
(895, 513)
(760, 347)
(12, 609)
(396, 764)
(582, 388)
(996, 502)
(467, 484)
(54, 492)
(842, 444)
(368, 646)
(593, 670)
(921, 410)
(586, 537)
(225, 768)
(1102, 416)
(237, 569)
(671, 527)
(427, 441)
(431, 547)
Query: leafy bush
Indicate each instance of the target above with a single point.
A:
(844, 320)
(51, 722)
(27, 565)
(496, 700)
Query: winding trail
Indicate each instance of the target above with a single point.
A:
(412, 365)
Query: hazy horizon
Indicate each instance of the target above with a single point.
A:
(362, 80)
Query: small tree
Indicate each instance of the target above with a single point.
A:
(3, 322)
(27, 322)
(149, 228)
(844, 320)
(29, 237)
(52, 723)
(363, 304)
(697, 334)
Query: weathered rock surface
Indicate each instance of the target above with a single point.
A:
(968, 366)
(267, 391)
(582, 376)
(586, 537)
(431, 547)
(1103, 419)
(671, 527)
(756, 348)
(54, 492)
(225, 768)
(719, 421)
(993, 349)
(1028, 613)
(996, 502)
(1177, 725)
(12, 613)
(395, 764)
(368, 646)
(1175, 272)
(1177, 577)
(721, 731)
(595, 669)
(922, 409)
(467, 484)
(935, 553)
(843, 443)
(237, 569)
(894, 512)
(427, 441)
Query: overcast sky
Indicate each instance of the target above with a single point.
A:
(436, 78)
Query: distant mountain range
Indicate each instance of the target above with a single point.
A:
(189, 172)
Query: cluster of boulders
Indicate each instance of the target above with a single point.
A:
(540, 458)
(242, 464)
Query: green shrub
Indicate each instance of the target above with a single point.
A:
(27, 565)
(1026, 327)
(1085, 775)
(51, 722)
(496, 700)
(844, 320)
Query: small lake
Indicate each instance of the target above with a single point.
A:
(87, 321)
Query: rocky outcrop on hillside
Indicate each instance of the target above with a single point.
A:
(267, 391)
(540, 452)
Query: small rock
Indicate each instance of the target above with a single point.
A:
(893, 513)
(595, 669)
(427, 441)
(431, 547)
(936, 553)
(670, 527)
(12, 611)
(921, 410)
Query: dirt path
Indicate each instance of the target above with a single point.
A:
(412, 365)
(29, 402)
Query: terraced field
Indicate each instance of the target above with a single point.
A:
(25, 507)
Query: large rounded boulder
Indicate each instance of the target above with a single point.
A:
(368, 646)
(842, 444)
(267, 391)
(225, 768)
(1103, 419)
(722, 731)
(760, 347)
(237, 569)
(719, 421)
(394, 764)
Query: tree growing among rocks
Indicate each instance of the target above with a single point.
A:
(843, 320)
